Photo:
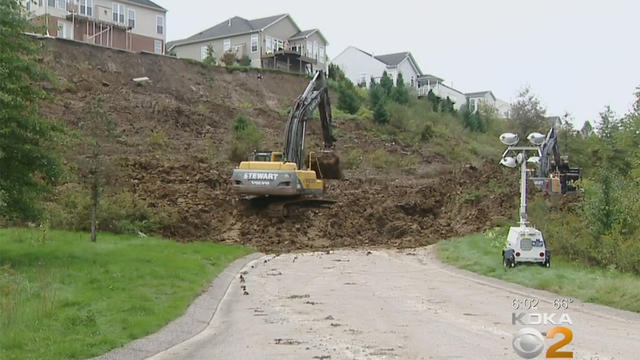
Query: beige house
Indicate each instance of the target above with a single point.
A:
(270, 42)
(136, 25)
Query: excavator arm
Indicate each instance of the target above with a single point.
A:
(315, 95)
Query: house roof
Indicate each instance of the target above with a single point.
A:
(147, 3)
(480, 94)
(392, 59)
(397, 58)
(431, 77)
(233, 26)
(306, 33)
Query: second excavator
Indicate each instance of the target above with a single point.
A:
(289, 174)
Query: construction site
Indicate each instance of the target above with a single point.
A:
(187, 178)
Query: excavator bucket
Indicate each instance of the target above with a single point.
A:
(326, 164)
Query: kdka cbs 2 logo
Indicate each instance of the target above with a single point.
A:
(553, 341)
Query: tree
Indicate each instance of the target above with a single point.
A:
(527, 113)
(587, 129)
(348, 99)
(210, 59)
(28, 162)
(336, 73)
(400, 93)
(99, 129)
(434, 100)
(246, 138)
(386, 83)
(229, 58)
(380, 113)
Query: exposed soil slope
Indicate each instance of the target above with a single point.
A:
(187, 176)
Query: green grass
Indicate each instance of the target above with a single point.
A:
(481, 254)
(63, 297)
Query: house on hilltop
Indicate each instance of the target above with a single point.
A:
(136, 25)
(360, 66)
(271, 42)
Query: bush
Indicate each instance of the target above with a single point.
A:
(245, 139)
(229, 58)
(245, 61)
(158, 139)
(348, 99)
(210, 59)
(336, 73)
(120, 212)
(381, 114)
(400, 94)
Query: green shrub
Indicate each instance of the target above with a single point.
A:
(229, 58)
(158, 139)
(348, 99)
(244, 61)
(353, 159)
(119, 212)
(245, 139)
(210, 59)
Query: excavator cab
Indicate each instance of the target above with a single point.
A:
(272, 156)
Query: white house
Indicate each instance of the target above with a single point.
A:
(435, 84)
(360, 66)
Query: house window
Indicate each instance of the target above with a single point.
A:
(61, 4)
(254, 43)
(86, 7)
(309, 49)
(226, 45)
(268, 44)
(315, 50)
(51, 3)
(203, 52)
(132, 18)
(157, 46)
(160, 24)
(321, 55)
(118, 13)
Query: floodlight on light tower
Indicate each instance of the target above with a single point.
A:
(509, 161)
(512, 140)
(536, 138)
(509, 139)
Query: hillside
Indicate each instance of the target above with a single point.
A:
(170, 171)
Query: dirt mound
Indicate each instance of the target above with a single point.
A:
(174, 138)
(387, 213)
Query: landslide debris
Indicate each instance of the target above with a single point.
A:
(173, 144)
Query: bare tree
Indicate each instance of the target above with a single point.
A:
(99, 130)
(527, 113)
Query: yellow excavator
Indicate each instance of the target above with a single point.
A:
(286, 175)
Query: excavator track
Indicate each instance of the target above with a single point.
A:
(285, 206)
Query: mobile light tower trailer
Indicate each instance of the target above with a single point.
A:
(524, 243)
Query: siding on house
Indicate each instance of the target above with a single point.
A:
(70, 23)
(271, 33)
(359, 66)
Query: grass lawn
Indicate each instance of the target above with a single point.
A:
(63, 297)
(607, 287)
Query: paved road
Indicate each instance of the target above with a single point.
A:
(386, 304)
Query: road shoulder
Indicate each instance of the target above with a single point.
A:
(194, 321)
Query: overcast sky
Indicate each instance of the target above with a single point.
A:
(577, 56)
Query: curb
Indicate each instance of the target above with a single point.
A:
(194, 320)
